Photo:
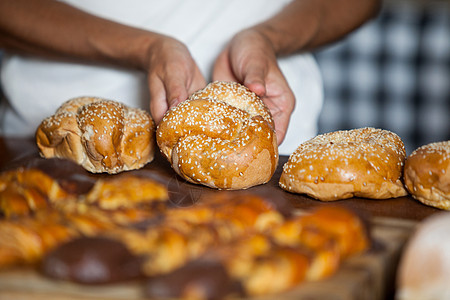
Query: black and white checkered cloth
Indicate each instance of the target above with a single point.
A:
(392, 73)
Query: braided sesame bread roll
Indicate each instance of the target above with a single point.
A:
(427, 174)
(364, 162)
(100, 135)
(223, 137)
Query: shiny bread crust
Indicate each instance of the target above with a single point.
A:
(427, 174)
(363, 162)
(103, 136)
(223, 137)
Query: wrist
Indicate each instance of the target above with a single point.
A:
(138, 49)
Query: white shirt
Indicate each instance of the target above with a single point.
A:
(35, 88)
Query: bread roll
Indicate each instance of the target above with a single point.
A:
(100, 135)
(424, 269)
(222, 137)
(427, 174)
(364, 162)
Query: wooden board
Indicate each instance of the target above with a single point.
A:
(368, 276)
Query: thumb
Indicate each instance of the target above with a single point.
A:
(253, 77)
(222, 70)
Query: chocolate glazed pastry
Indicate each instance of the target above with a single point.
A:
(95, 260)
(200, 279)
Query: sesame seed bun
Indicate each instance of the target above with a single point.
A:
(222, 137)
(427, 174)
(100, 135)
(364, 162)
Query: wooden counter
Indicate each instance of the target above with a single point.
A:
(369, 276)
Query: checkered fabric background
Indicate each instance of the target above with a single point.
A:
(392, 73)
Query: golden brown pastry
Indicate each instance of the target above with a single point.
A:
(160, 241)
(275, 259)
(188, 232)
(100, 135)
(427, 174)
(25, 240)
(364, 162)
(126, 191)
(39, 215)
(24, 191)
(223, 137)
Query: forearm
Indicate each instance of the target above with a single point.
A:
(53, 29)
(308, 24)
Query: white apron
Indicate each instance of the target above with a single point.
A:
(35, 88)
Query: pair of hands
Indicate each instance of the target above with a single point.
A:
(249, 58)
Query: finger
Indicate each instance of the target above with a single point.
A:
(281, 102)
(198, 82)
(281, 125)
(158, 102)
(222, 70)
(254, 79)
(176, 90)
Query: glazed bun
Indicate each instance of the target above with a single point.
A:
(222, 137)
(364, 162)
(427, 174)
(100, 135)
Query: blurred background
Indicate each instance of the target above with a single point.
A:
(392, 73)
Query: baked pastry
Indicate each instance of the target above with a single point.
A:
(39, 215)
(24, 191)
(364, 162)
(427, 174)
(303, 248)
(198, 248)
(223, 137)
(100, 135)
(126, 191)
(224, 228)
(424, 268)
(92, 260)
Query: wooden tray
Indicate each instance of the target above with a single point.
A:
(369, 276)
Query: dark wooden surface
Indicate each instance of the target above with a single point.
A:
(14, 151)
(370, 276)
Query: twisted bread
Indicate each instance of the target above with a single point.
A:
(100, 135)
(427, 174)
(308, 247)
(228, 228)
(24, 191)
(222, 137)
(365, 162)
(39, 215)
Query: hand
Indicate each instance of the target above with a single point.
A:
(250, 59)
(172, 75)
